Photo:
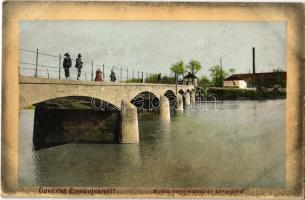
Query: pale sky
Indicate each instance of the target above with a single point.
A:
(153, 46)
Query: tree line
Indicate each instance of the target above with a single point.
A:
(179, 69)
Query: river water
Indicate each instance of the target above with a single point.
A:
(231, 144)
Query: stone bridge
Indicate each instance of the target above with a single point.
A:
(37, 90)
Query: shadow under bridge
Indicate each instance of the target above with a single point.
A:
(75, 119)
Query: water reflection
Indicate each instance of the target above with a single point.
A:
(239, 144)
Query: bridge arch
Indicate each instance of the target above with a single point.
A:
(146, 101)
(77, 102)
(171, 98)
(181, 92)
(169, 93)
(183, 96)
(37, 98)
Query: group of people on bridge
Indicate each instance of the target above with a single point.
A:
(67, 63)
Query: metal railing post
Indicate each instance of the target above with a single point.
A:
(59, 66)
(110, 72)
(48, 73)
(85, 75)
(121, 74)
(127, 75)
(132, 74)
(92, 71)
(138, 75)
(36, 64)
(103, 72)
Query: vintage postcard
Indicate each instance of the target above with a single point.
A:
(152, 100)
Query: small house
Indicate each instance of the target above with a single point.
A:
(190, 79)
(266, 79)
(235, 81)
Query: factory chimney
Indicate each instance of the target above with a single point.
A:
(253, 59)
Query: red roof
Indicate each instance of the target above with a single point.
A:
(261, 76)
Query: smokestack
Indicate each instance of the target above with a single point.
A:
(253, 59)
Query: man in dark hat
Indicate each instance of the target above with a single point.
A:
(112, 76)
(79, 65)
(67, 64)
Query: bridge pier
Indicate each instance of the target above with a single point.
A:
(129, 123)
(179, 102)
(193, 100)
(164, 108)
(187, 99)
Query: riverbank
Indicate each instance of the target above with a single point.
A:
(30, 107)
(243, 94)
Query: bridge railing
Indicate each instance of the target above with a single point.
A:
(39, 64)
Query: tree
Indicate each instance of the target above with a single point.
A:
(178, 68)
(204, 81)
(168, 80)
(153, 78)
(231, 71)
(194, 66)
(218, 75)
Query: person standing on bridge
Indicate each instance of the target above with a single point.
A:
(79, 65)
(112, 76)
(98, 75)
(67, 64)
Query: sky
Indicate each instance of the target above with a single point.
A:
(153, 46)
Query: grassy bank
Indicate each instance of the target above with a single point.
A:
(242, 94)
(29, 107)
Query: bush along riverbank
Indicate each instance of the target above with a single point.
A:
(243, 94)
